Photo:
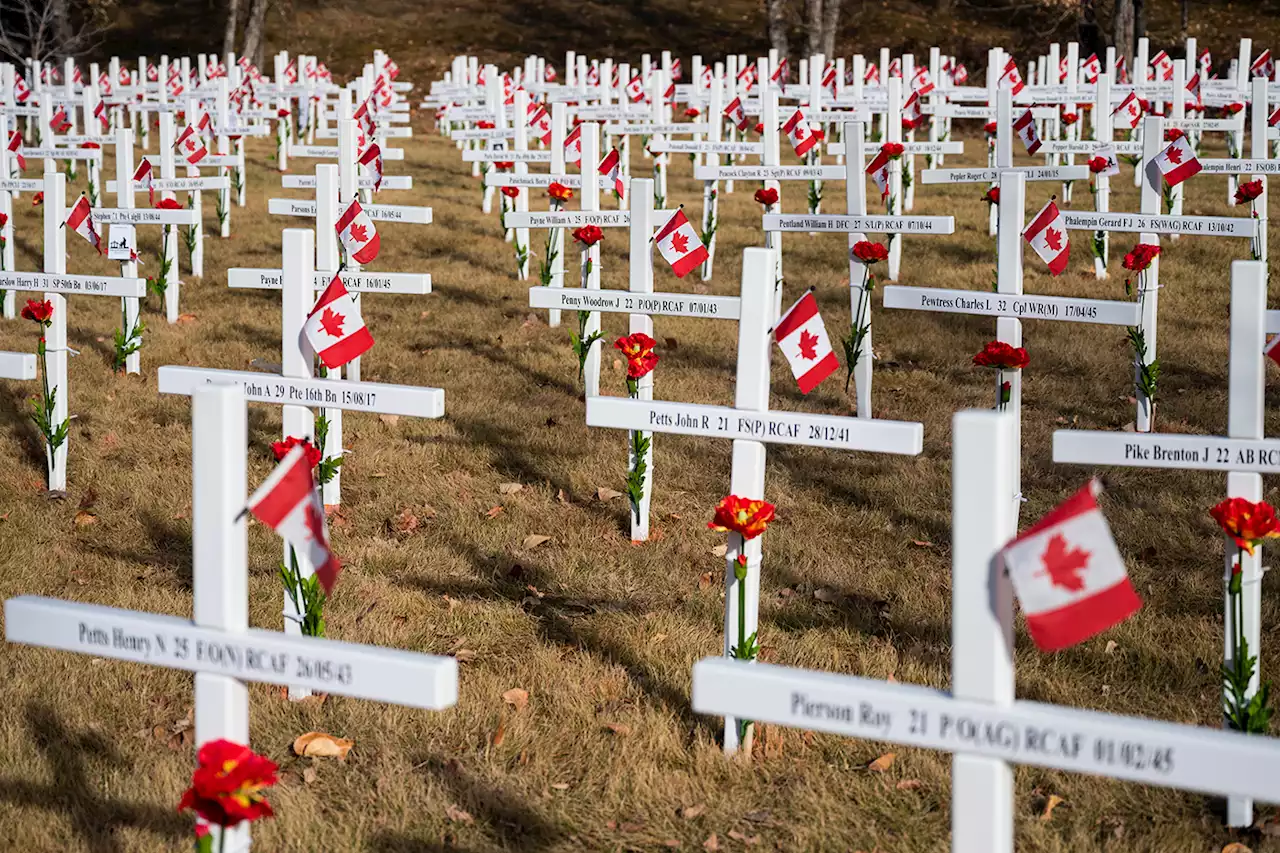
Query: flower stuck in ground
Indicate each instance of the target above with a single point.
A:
(892, 150)
(227, 785)
(1098, 164)
(992, 196)
(511, 192)
(169, 204)
(1246, 522)
(588, 235)
(559, 193)
(745, 516)
(1002, 356)
(767, 196)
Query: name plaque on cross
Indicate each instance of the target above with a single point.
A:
(1167, 450)
(1027, 307)
(1240, 167)
(98, 285)
(409, 400)
(869, 223)
(376, 212)
(990, 176)
(1218, 226)
(769, 173)
(626, 302)
(568, 219)
(144, 216)
(366, 282)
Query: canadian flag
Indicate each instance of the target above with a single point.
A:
(548, 74)
(677, 70)
(393, 69)
(593, 74)
(1012, 77)
(1263, 66)
(1068, 574)
(573, 147)
(1047, 234)
(746, 78)
(1130, 110)
(1274, 118)
(124, 77)
(80, 220)
(1108, 153)
(364, 117)
(921, 84)
(1193, 90)
(1122, 70)
(1271, 350)
(829, 79)
(100, 113)
(1092, 68)
(291, 72)
(1162, 66)
(334, 328)
(1025, 127)
(961, 75)
(371, 159)
(77, 76)
(611, 168)
(737, 114)
(878, 169)
(359, 237)
(60, 123)
(707, 77)
(540, 122)
(289, 503)
(21, 92)
(142, 175)
(635, 89)
(1063, 68)
(1206, 64)
(895, 68)
(104, 83)
(15, 148)
(912, 110)
(1177, 162)
(802, 337)
(781, 74)
(871, 76)
(680, 245)
(801, 136)
(191, 145)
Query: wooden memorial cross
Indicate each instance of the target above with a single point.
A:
(295, 388)
(8, 187)
(55, 284)
(1259, 166)
(218, 645)
(17, 365)
(1244, 453)
(856, 223)
(979, 719)
(751, 425)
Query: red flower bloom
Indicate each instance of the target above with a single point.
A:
(37, 199)
(992, 196)
(767, 196)
(4, 220)
(990, 128)
(485, 125)
(226, 787)
(41, 312)
(504, 165)
(1070, 118)
(868, 252)
(90, 145)
(169, 204)
(1140, 257)
(1097, 164)
(892, 150)
(511, 192)
(759, 127)
(1246, 522)
(742, 515)
(282, 113)
(281, 449)
(1247, 191)
(1173, 133)
(1232, 109)
(638, 348)
(1000, 355)
(559, 192)
(907, 125)
(691, 112)
(588, 235)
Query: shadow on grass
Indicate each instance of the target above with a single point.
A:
(167, 547)
(94, 817)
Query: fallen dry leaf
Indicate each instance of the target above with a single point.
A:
(909, 785)
(690, 812)
(88, 499)
(712, 843)
(882, 763)
(457, 815)
(704, 580)
(499, 736)
(84, 518)
(826, 595)
(389, 420)
(309, 775)
(464, 655)
(1112, 645)
(321, 745)
(494, 511)
(563, 497)
(1049, 805)
(749, 840)
(509, 488)
(672, 843)
(920, 543)
(560, 786)
(517, 697)
(619, 729)
(184, 319)
(533, 540)
(603, 493)
(1236, 847)
(406, 522)
(720, 550)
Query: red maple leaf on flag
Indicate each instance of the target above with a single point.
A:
(679, 242)
(191, 145)
(332, 323)
(1063, 563)
(808, 345)
(315, 522)
(358, 233)
(1174, 154)
(1053, 239)
(799, 131)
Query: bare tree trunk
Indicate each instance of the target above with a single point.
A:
(830, 23)
(1139, 21)
(253, 44)
(813, 25)
(1089, 34)
(1122, 31)
(943, 7)
(229, 34)
(63, 34)
(776, 18)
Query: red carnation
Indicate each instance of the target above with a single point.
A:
(892, 150)
(691, 112)
(759, 127)
(1247, 191)
(1002, 356)
(990, 128)
(1140, 257)
(511, 192)
(1098, 164)
(992, 196)
(868, 252)
(226, 787)
(767, 196)
(1070, 118)
(168, 204)
(40, 312)
(588, 235)
(281, 449)
(1173, 134)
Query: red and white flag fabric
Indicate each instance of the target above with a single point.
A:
(1122, 70)
(1047, 234)
(829, 79)
(21, 91)
(912, 111)
(1012, 77)
(1205, 64)
(1068, 574)
(371, 159)
(611, 168)
(895, 67)
(142, 175)
(1177, 162)
(680, 244)
(100, 113)
(1025, 127)
(707, 77)
(878, 169)
(334, 328)
(961, 74)
(1130, 110)
(871, 77)
(781, 74)
(191, 145)
(1263, 66)
(1162, 66)
(1274, 118)
(802, 337)
(359, 237)
(635, 89)
(1272, 350)
(540, 122)
(1193, 96)
(289, 503)
(677, 70)
(573, 147)
(59, 122)
(15, 148)
(80, 220)
(1091, 68)
(737, 114)
(801, 135)
(921, 83)
(1108, 153)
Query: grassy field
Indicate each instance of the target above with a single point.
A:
(607, 754)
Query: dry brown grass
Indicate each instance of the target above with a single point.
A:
(599, 631)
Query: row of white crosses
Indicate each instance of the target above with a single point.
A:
(217, 644)
(296, 388)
